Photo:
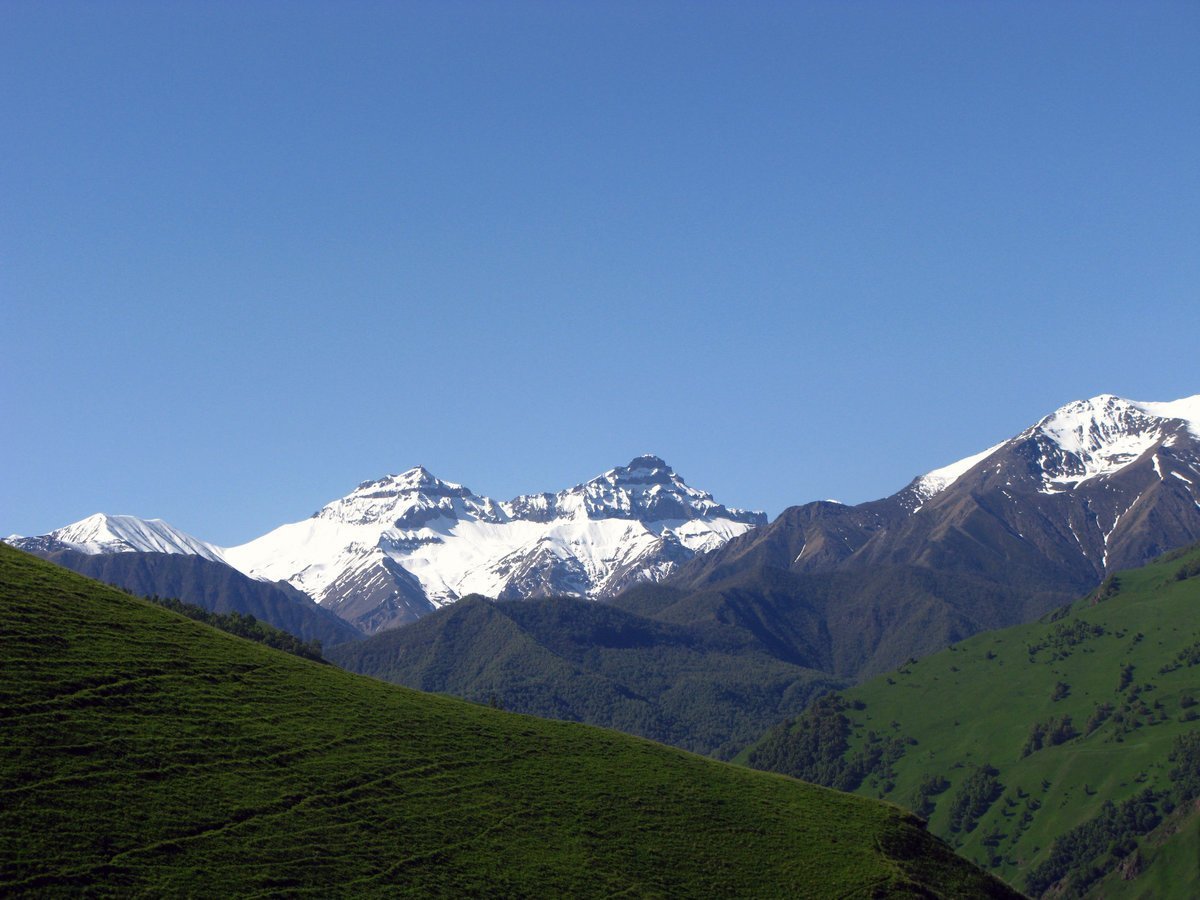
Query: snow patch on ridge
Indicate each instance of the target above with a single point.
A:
(1187, 409)
(932, 483)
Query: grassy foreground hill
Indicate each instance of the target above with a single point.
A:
(147, 753)
(1055, 753)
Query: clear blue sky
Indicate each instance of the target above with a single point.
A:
(254, 253)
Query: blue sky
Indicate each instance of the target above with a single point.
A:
(254, 253)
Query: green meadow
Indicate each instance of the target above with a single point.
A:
(146, 753)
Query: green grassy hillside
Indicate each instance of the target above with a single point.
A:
(1016, 739)
(147, 753)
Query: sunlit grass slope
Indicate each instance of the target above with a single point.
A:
(146, 753)
(1083, 708)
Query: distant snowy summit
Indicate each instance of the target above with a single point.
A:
(398, 547)
(101, 533)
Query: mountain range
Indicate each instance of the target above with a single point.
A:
(648, 607)
(992, 540)
(398, 547)
(849, 591)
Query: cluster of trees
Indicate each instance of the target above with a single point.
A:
(1126, 676)
(1185, 776)
(816, 747)
(245, 626)
(1110, 587)
(1098, 717)
(1088, 852)
(1050, 733)
(975, 797)
(930, 786)
(1064, 638)
(1188, 570)
(1189, 656)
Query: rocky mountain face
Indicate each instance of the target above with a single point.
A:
(849, 591)
(996, 539)
(1098, 485)
(398, 547)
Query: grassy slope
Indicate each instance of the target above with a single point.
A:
(975, 704)
(144, 752)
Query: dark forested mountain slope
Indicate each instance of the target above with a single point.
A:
(147, 754)
(707, 689)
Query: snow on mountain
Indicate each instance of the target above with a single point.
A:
(1000, 537)
(1105, 481)
(933, 483)
(399, 546)
(101, 533)
(1080, 441)
(1099, 437)
(647, 490)
(412, 538)
(1186, 410)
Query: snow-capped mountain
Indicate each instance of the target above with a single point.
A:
(399, 546)
(101, 533)
(994, 539)
(991, 540)
(1098, 484)
(1110, 482)
(1081, 441)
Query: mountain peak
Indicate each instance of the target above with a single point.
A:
(647, 461)
(645, 469)
(647, 490)
(416, 478)
(1080, 440)
(104, 533)
(1109, 411)
(408, 499)
(1091, 438)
